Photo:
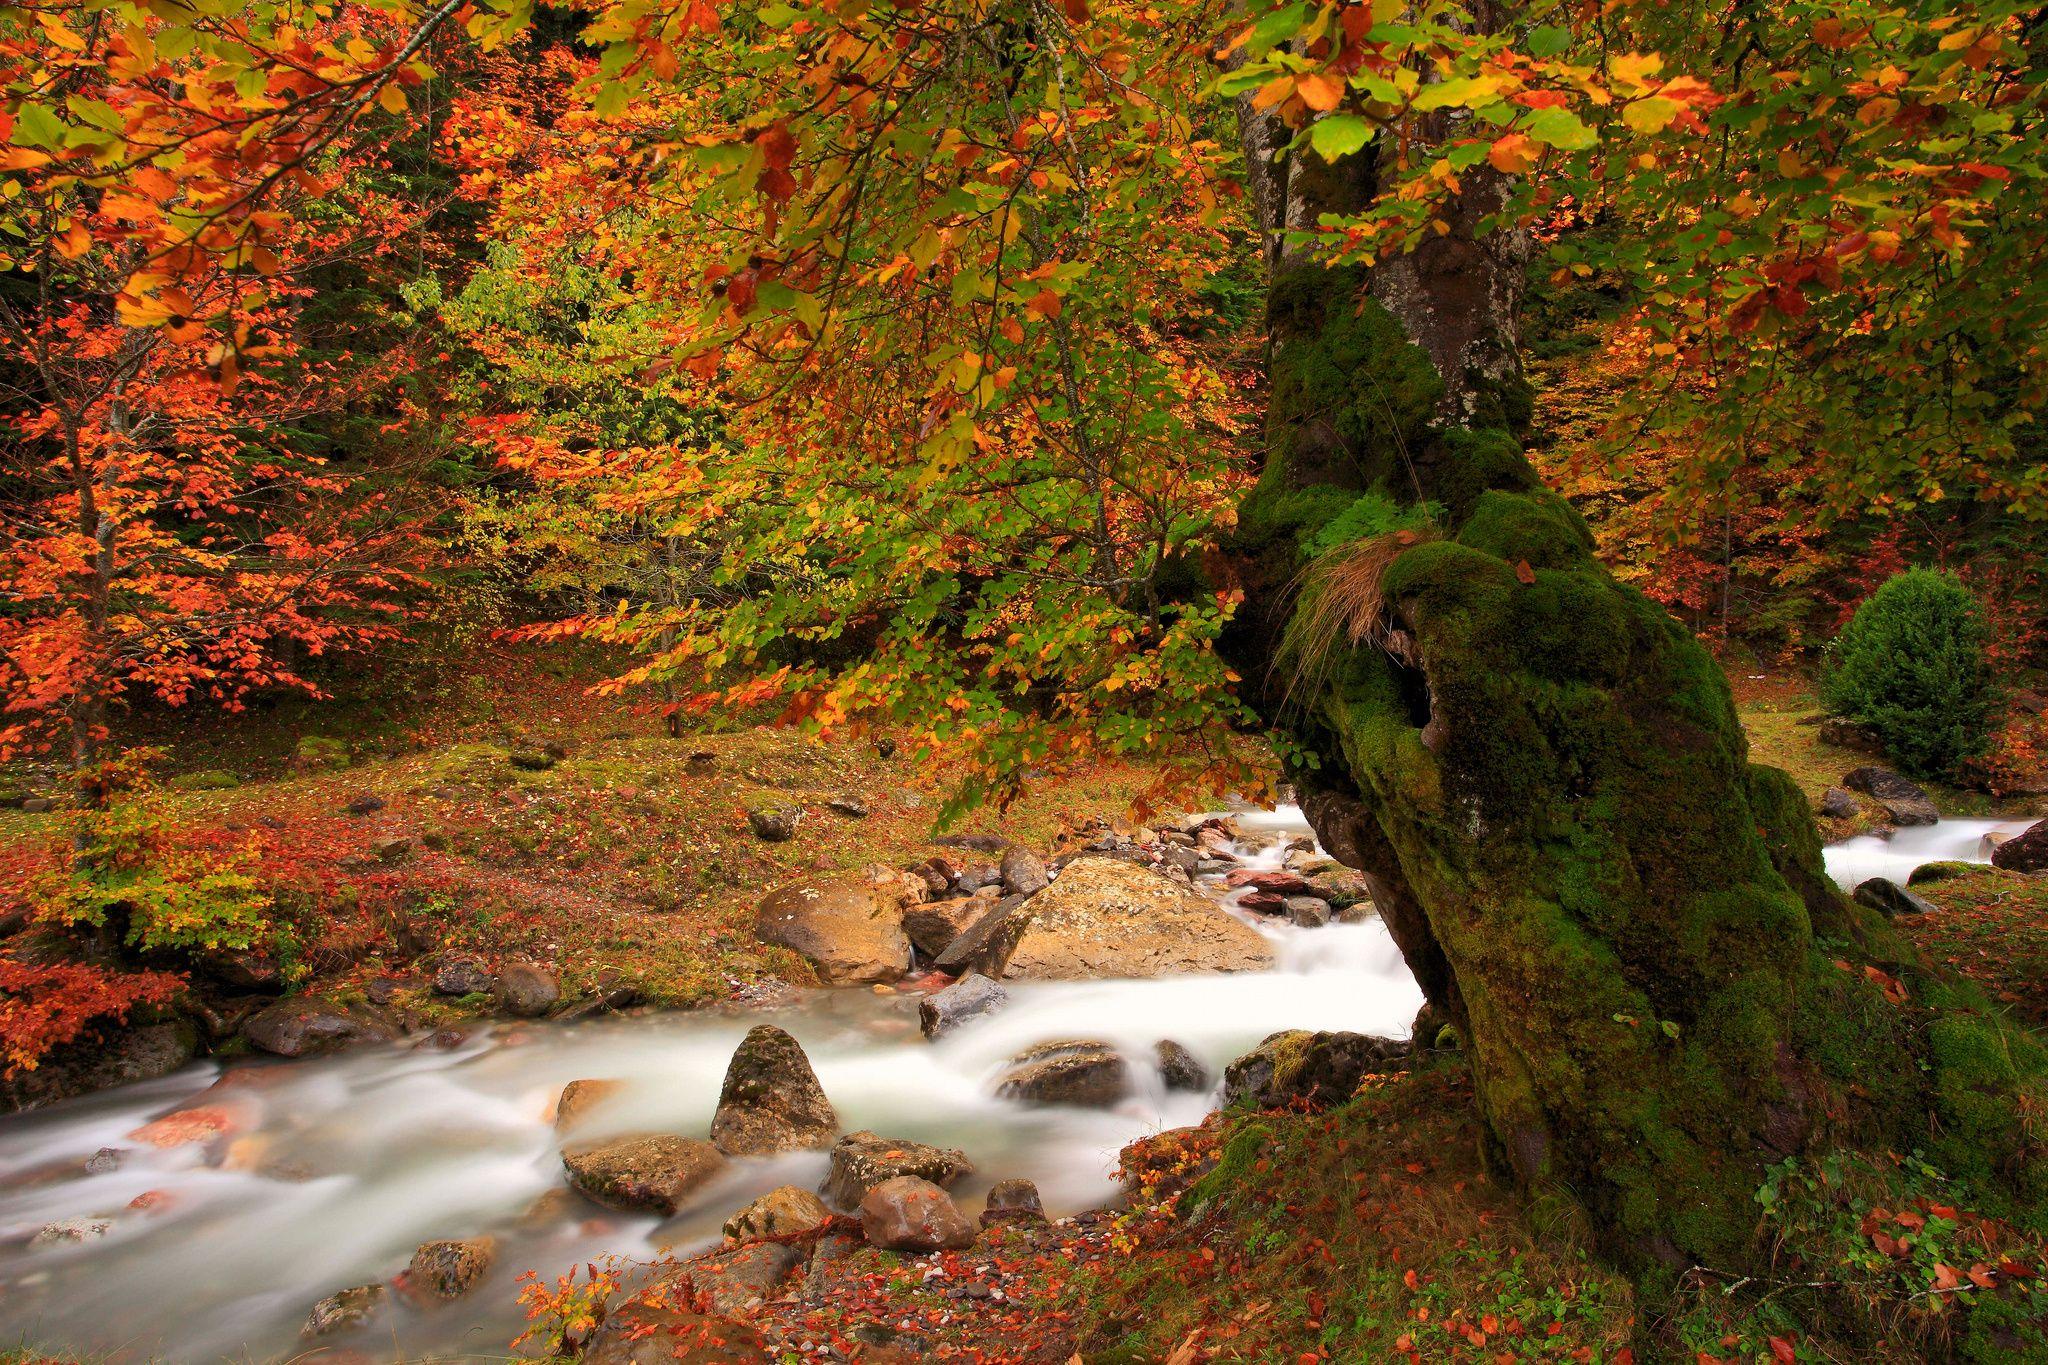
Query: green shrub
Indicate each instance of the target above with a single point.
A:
(1910, 667)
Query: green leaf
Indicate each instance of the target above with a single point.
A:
(1339, 135)
(37, 126)
(1562, 129)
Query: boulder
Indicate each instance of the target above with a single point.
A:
(579, 1098)
(734, 1282)
(863, 1160)
(649, 1173)
(1180, 1068)
(1105, 917)
(2026, 851)
(1902, 800)
(461, 976)
(243, 969)
(849, 805)
(105, 1057)
(1299, 1067)
(1013, 1201)
(967, 999)
(774, 824)
(1890, 899)
(1837, 804)
(1023, 872)
(986, 944)
(850, 927)
(346, 1310)
(936, 925)
(308, 1026)
(528, 991)
(1310, 912)
(905, 1213)
(1086, 1074)
(771, 1101)
(778, 1213)
(450, 1269)
(657, 1328)
(1343, 887)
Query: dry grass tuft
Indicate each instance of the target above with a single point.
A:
(1338, 601)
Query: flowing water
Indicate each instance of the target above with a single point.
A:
(330, 1172)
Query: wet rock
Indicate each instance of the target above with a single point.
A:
(105, 1160)
(1837, 804)
(1299, 1067)
(934, 926)
(346, 1310)
(550, 1208)
(1023, 872)
(850, 928)
(197, 1124)
(778, 1213)
(771, 1101)
(1906, 803)
(1279, 883)
(985, 946)
(905, 1213)
(1428, 1029)
(2026, 851)
(863, 1160)
(1180, 1068)
(774, 824)
(652, 1172)
(655, 1329)
(1013, 1201)
(965, 1000)
(1082, 1073)
(1263, 903)
(70, 1232)
(461, 976)
(308, 1026)
(579, 1098)
(528, 991)
(735, 1282)
(1890, 899)
(850, 806)
(450, 1269)
(1343, 887)
(1105, 917)
(105, 1057)
(1310, 912)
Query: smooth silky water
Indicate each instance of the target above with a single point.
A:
(334, 1170)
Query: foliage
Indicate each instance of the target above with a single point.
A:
(1911, 667)
(44, 1006)
(561, 1316)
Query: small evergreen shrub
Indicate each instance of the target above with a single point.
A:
(1910, 667)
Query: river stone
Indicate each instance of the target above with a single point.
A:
(105, 1057)
(579, 1098)
(936, 925)
(734, 1282)
(1023, 872)
(461, 976)
(66, 1231)
(345, 1311)
(653, 1172)
(1013, 1201)
(528, 991)
(863, 1160)
(308, 1026)
(1105, 917)
(986, 944)
(655, 1329)
(965, 1000)
(1296, 1066)
(2026, 851)
(1906, 803)
(1083, 1073)
(1179, 1068)
(1837, 804)
(450, 1269)
(772, 1101)
(905, 1213)
(1309, 912)
(778, 1213)
(850, 927)
(1890, 899)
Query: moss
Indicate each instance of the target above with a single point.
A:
(1540, 528)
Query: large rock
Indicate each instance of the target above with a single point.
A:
(905, 1213)
(528, 991)
(779, 1213)
(772, 1101)
(1086, 1074)
(863, 1160)
(850, 928)
(935, 926)
(775, 824)
(650, 1173)
(1023, 872)
(1105, 917)
(1299, 1067)
(1013, 1201)
(309, 1026)
(1179, 1068)
(448, 1270)
(346, 1310)
(579, 1098)
(2026, 851)
(1837, 804)
(965, 1000)
(462, 976)
(985, 945)
(658, 1328)
(1902, 800)
(1890, 899)
(104, 1058)
(734, 1282)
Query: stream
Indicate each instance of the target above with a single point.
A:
(331, 1171)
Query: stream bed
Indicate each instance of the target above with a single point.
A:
(328, 1173)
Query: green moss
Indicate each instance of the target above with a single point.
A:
(1540, 528)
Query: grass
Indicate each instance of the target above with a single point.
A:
(1993, 928)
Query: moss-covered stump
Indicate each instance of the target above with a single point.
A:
(1543, 775)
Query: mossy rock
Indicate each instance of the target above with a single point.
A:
(208, 780)
(1940, 872)
(322, 753)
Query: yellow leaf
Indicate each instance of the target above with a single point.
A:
(1634, 69)
(391, 99)
(1319, 92)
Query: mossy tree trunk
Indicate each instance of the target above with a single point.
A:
(1542, 773)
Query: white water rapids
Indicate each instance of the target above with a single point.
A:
(335, 1169)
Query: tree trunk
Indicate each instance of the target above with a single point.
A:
(1542, 774)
